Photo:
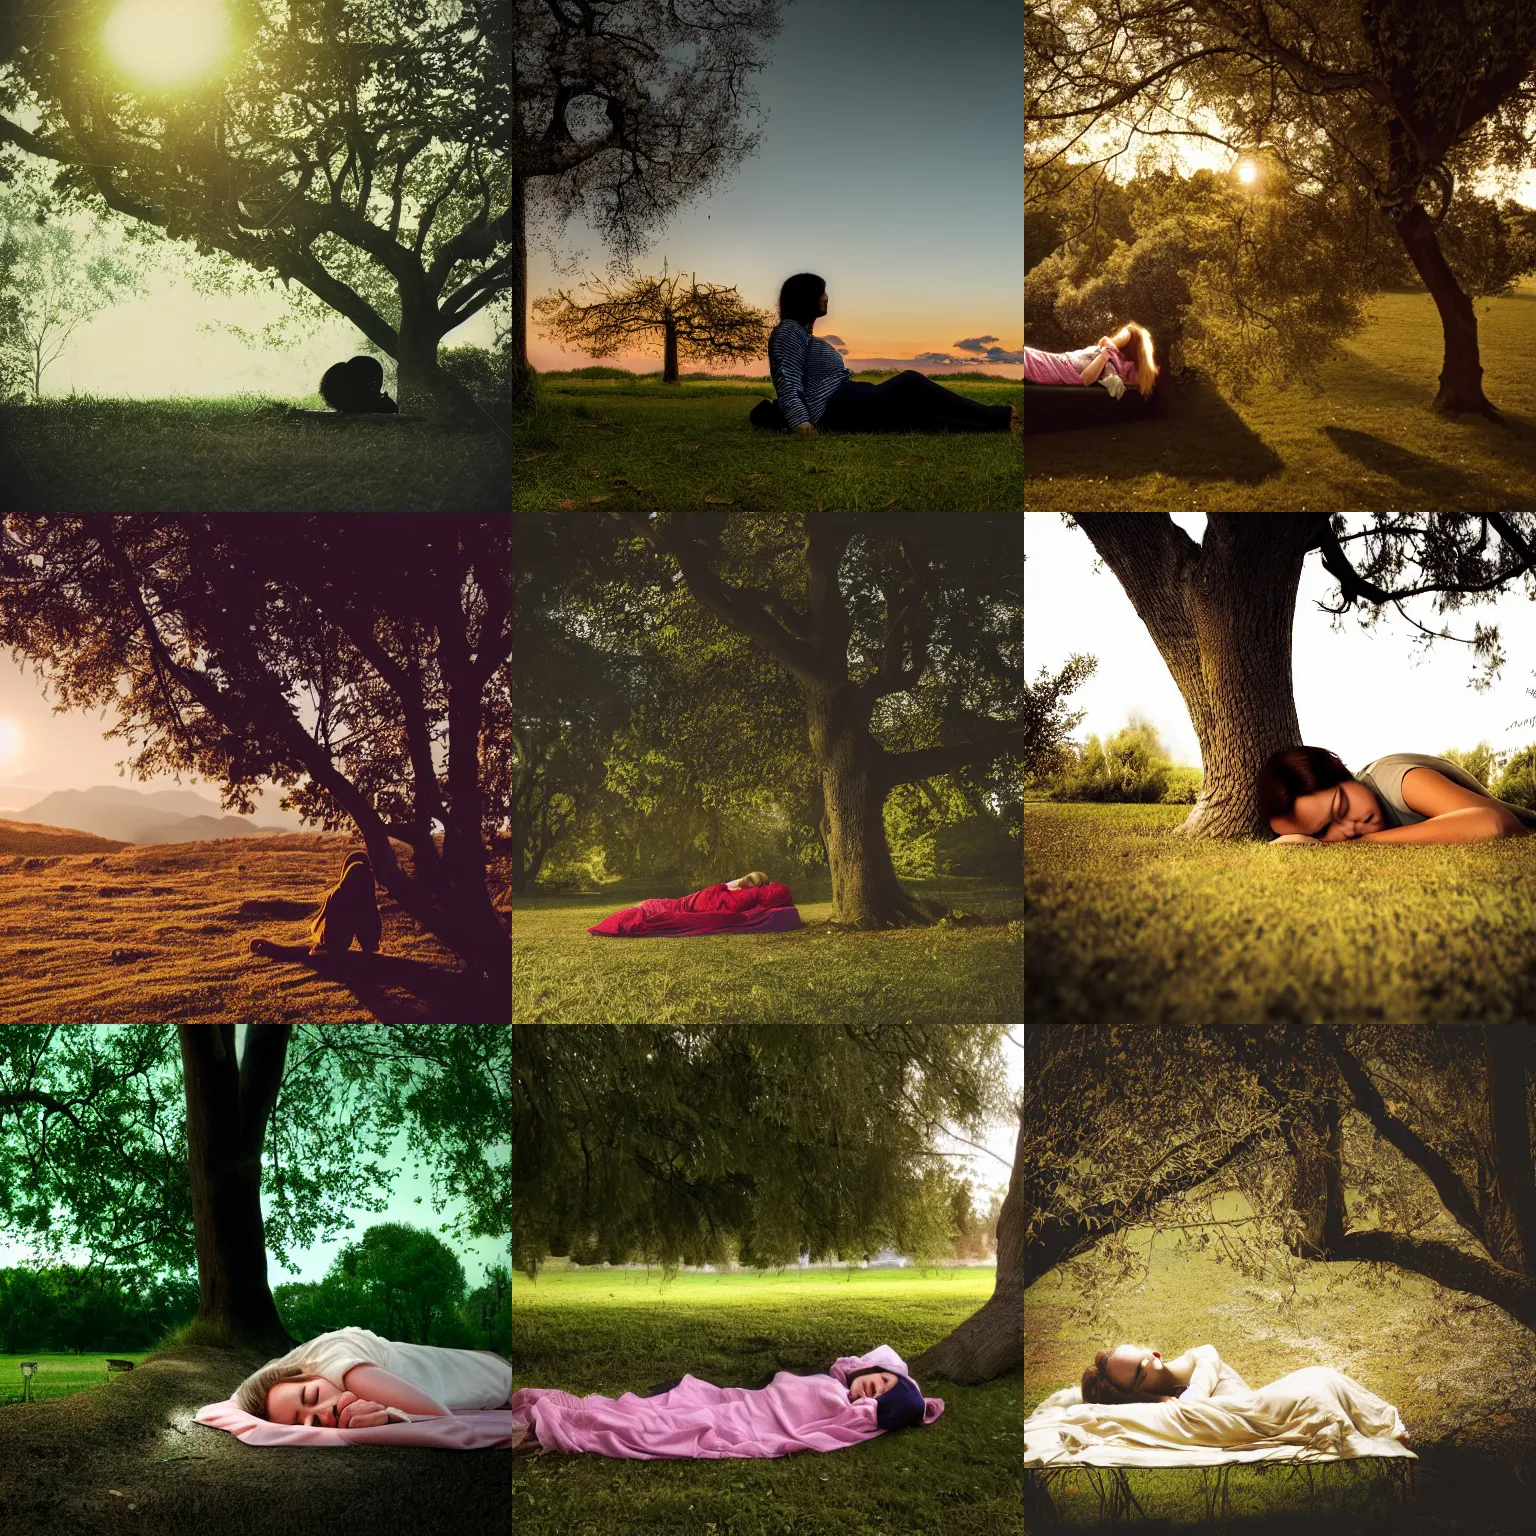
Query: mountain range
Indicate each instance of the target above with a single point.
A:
(140, 816)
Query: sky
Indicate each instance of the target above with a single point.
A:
(41, 752)
(1394, 697)
(988, 1171)
(477, 1254)
(891, 164)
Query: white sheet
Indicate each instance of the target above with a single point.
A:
(1315, 1414)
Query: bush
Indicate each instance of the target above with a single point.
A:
(1481, 761)
(484, 372)
(1132, 766)
(1517, 783)
(1183, 786)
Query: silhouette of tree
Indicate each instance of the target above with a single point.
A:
(356, 147)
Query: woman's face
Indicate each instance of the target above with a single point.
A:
(310, 1400)
(872, 1386)
(1333, 815)
(823, 307)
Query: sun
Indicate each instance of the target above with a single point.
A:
(168, 42)
(1247, 172)
(10, 740)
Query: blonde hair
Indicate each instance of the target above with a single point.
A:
(251, 1394)
(757, 877)
(1137, 345)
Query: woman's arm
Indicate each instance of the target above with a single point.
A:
(380, 1386)
(1472, 824)
(1095, 368)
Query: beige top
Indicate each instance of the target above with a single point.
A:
(1384, 778)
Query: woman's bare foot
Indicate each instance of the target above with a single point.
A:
(525, 1438)
(1016, 421)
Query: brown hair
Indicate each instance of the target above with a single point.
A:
(1099, 1387)
(251, 1394)
(1296, 771)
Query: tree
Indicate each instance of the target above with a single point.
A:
(357, 682)
(185, 1187)
(415, 1280)
(356, 147)
(625, 111)
(1046, 721)
(860, 611)
(57, 278)
(1398, 102)
(705, 322)
(1482, 762)
(1220, 613)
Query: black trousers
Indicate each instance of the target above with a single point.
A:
(910, 402)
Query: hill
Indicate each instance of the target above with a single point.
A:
(162, 934)
(139, 816)
(30, 837)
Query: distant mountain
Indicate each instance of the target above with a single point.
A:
(137, 816)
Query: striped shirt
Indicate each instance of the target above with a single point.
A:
(806, 372)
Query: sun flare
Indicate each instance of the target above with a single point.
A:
(10, 740)
(1247, 172)
(168, 42)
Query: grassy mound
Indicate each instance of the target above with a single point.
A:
(32, 837)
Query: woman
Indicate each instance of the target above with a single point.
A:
(1127, 357)
(814, 388)
(859, 1397)
(349, 910)
(356, 388)
(355, 1379)
(751, 902)
(1307, 795)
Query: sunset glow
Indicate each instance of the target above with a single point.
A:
(168, 42)
(1247, 172)
(10, 741)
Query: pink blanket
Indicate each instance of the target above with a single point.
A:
(447, 1432)
(713, 910)
(792, 1413)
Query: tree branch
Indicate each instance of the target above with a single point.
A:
(925, 763)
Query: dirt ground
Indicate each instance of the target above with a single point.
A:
(128, 1459)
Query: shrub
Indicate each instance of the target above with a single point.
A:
(1517, 783)
(1183, 786)
(1132, 766)
(1481, 761)
(485, 372)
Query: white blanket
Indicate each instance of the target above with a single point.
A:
(1315, 1414)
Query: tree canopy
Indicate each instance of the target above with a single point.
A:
(356, 147)
(358, 683)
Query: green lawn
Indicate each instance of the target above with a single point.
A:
(1460, 1371)
(1124, 923)
(1369, 441)
(621, 443)
(946, 974)
(623, 1331)
(244, 454)
(59, 1375)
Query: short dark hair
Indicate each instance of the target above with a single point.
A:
(1294, 772)
(800, 297)
(1100, 1387)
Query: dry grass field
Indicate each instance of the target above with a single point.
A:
(124, 933)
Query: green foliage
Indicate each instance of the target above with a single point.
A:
(1481, 761)
(1183, 787)
(486, 372)
(1047, 721)
(63, 1307)
(1517, 783)
(1131, 765)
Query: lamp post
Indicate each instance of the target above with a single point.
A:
(27, 1368)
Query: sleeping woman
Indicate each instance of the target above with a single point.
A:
(751, 903)
(856, 1399)
(1123, 361)
(1307, 795)
(356, 1379)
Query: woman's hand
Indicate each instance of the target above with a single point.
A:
(1297, 837)
(361, 1414)
(805, 429)
(1104, 341)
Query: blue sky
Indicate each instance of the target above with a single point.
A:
(891, 164)
(1359, 693)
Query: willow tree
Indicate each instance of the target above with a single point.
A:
(1401, 102)
(358, 148)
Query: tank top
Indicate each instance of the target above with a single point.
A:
(1384, 778)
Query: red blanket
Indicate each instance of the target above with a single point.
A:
(712, 910)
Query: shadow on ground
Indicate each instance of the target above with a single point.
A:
(396, 990)
(1202, 439)
(127, 1459)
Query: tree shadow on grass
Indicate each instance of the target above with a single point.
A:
(1202, 439)
(400, 991)
(1433, 478)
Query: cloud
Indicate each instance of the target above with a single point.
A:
(975, 344)
(991, 355)
(838, 345)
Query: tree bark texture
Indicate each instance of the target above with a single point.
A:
(1461, 372)
(1509, 1056)
(669, 350)
(425, 385)
(990, 1343)
(1221, 615)
(228, 1105)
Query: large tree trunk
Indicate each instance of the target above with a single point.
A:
(1220, 614)
(1461, 373)
(228, 1105)
(990, 1343)
(425, 387)
(669, 352)
(522, 370)
(865, 892)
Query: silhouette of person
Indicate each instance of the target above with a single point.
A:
(349, 910)
(356, 388)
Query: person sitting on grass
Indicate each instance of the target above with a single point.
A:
(816, 390)
(349, 910)
(353, 1378)
(1127, 358)
(1307, 796)
(356, 388)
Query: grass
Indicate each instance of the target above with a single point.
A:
(59, 1375)
(623, 1331)
(1124, 923)
(1460, 1371)
(630, 442)
(1368, 442)
(561, 974)
(243, 454)
(161, 933)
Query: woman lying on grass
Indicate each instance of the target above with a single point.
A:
(815, 389)
(355, 1379)
(857, 1398)
(1120, 362)
(751, 903)
(1308, 796)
